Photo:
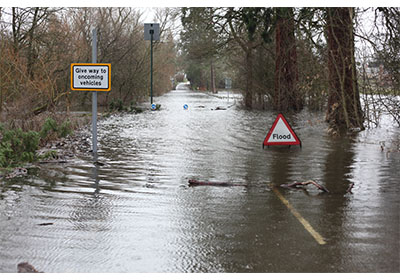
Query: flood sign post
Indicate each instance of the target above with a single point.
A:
(92, 77)
(281, 133)
(151, 33)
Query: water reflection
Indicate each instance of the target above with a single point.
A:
(339, 162)
(92, 213)
(281, 172)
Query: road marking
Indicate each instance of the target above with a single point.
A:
(303, 221)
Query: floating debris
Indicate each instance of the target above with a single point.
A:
(294, 184)
(26, 267)
(193, 183)
(17, 172)
(45, 224)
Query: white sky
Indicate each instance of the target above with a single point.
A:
(147, 5)
(202, 3)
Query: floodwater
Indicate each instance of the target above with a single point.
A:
(136, 213)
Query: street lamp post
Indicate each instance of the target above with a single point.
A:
(151, 33)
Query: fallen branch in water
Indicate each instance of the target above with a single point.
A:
(45, 224)
(52, 161)
(350, 188)
(193, 183)
(294, 184)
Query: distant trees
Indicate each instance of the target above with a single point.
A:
(390, 55)
(26, 23)
(222, 33)
(27, 85)
(386, 42)
(279, 58)
(201, 43)
(245, 36)
(165, 51)
(38, 45)
(260, 48)
(121, 43)
(249, 29)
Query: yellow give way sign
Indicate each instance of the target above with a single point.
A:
(91, 76)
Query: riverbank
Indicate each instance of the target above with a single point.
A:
(52, 138)
(62, 149)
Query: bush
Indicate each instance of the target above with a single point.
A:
(17, 146)
(134, 109)
(117, 105)
(65, 129)
(49, 126)
(51, 129)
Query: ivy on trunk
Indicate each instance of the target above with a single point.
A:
(286, 97)
(344, 108)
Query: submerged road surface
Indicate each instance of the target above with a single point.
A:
(138, 214)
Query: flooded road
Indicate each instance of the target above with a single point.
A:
(138, 214)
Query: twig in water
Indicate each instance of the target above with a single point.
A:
(294, 184)
(210, 183)
(350, 188)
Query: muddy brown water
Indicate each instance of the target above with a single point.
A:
(137, 214)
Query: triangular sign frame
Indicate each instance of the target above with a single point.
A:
(281, 133)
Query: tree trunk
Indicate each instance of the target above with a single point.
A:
(31, 54)
(344, 107)
(248, 98)
(286, 95)
(14, 30)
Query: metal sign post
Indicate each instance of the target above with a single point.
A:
(152, 33)
(151, 65)
(92, 77)
(94, 98)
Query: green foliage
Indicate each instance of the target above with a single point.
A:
(196, 74)
(117, 105)
(17, 146)
(216, 41)
(132, 106)
(51, 129)
(48, 155)
(134, 109)
(111, 106)
(65, 129)
(50, 125)
(202, 42)
(258, 18)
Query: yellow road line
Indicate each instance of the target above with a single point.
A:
(303, 221)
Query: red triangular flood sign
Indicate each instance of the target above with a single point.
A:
(281, 133)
